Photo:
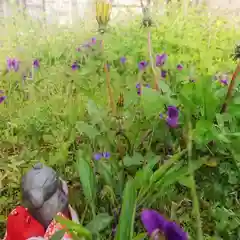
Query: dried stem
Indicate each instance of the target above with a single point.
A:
(230, 88)
(152, 62)
(110, 94)
(109, 89)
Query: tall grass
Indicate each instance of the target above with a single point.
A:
(62, 117)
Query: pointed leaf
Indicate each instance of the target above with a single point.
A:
(87, 178)
(125, 227)
(99, 223)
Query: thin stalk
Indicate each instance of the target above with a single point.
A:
(230, 88)
(110, 94)
(152, 62)
(196, 208)
(109, 89)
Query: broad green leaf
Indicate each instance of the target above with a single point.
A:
(99, 223)
(151, 102)
(125, 227)
(106, 173)
(87, 178)
(135, 160)
(164, 86)
(88, 129)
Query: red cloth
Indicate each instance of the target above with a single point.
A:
(21, 225)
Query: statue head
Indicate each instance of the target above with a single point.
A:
(43, 194)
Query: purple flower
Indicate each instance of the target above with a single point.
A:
(161, 116)
(163, 73)
(97, 156)
(75, 66)
(192, 80)
(224, 81)
(106, 155)
(172, 116)
(2, 98)
(155, 222)
(123, 60)
(36, 63)
(147, 85)
(12, 64)
(78, 49)
(161, 59)
(138, 86)
(179, 67)
(142, 65)
(93, 40)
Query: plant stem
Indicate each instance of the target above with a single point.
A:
(230, 88)
(109, 89)
(110, 94)
(151, 61)
(193, 185)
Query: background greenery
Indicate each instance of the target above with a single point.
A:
(62, 118)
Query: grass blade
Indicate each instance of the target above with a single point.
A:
(87, 179)
(126, 221)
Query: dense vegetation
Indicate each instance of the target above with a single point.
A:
(135, 114)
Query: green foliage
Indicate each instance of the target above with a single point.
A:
(63, 117)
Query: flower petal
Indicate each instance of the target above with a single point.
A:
(152, 221)
(174, 232)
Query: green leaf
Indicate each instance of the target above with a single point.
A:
(106, 173)
(88, 129)
(164, 87)
(58, 235)
(73, 227)
(2, 218)
(151, 102)
(99, 223)
(163, 169)
(142, 177)
(87, 178)
(140, 236)
(125, 227)
(135, 160)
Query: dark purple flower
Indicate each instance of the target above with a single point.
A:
(163, 73)
(106, 155)
(123, 60)
(161, 59)
(93, 40)
(224, 81)
(97, 156)
(155, 222)
(179, 67)
(75, 66)
(2, 98)
(12, 64)
(138, 86)
(36, 63)
(78, 49)
(147, 85)
(192, 80)
(15, 64)
(172, 116)
(142, 65)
